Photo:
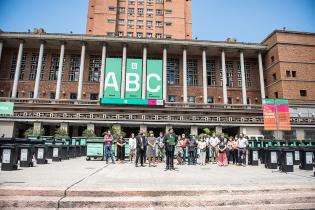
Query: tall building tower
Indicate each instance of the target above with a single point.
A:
(170, 19)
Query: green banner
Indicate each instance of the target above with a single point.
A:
(112, 78)
(6, 108)
(133, 79)
(154, 79)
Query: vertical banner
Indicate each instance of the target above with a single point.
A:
(154, 79)
(270, 122)
(133, 79)
(283, 114)
(112, 78)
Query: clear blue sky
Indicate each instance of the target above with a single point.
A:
(246, 20)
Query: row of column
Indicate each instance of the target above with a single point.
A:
(124, 59)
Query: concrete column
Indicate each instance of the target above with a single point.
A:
(300, 134)
(218, 129)
(39, 68)
(165, 74)
(91, 126)
(184, 75)
(80, 84)
(17, 70)
(144, 72)
(37, 127)
(244, 95)
(101, 92)
(204, 76)
(225, 101)
(1, 47)
(65, 126)
(194, 130)
(261, 76)
(123, 72)
(59, 76)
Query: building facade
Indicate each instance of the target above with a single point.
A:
(159, 19)
(58, 79)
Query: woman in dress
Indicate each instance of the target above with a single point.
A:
(121, 149)
(222, 159)
(151, 148)
(202, 146)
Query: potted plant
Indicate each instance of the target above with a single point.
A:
(34, 132)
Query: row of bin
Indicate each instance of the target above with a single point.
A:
(24, 151)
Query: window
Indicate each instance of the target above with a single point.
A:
(150, 11)
(94, 96)
(149, 23)
(54, 66)
(74, 68)
(159, 24)
(289, 135)
(139, 34)
(168, 24)
(121, 10)
(140, 11)
(211, 72)
(168, 36)
(52, 95)
(172, 71)
(121, 22)
(34, 63)
(192, 72)
(111, 8)
(31, 94)
(120, 33)
(13, 66)
(303, 93)
(288, 73)
(140, 1)
(149, 35)
(158, 35)
(168, 11)
(110, 20)
(191, 99)
(130, 34)
(248, 74)
(272, 59)
(130, 22)
(248, 100)
(140, 22)
(73, 95)
(159, 12)
(230, 100)
(95, 68)
(159, 1)
(131, 1)
(309, 134)
(274, 77)
(172, 98)
(229, 74)
(293, 73)
(267, 134)
(276, 94)
(110, 33)
(150, 1)
(210, 99)
(131, 11)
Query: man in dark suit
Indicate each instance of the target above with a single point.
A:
(170, 142)
(141, 148)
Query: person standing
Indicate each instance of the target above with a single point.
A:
(214, 141)
(229, 149)
(132, 147)
(202, 145)
(183, 145)
(141, 148)
(161, 149)
(242, 147)
(170, 142)
(192, 144)
(121, 149)
(151, 148)
(222, 159)
(108, 140)
(234, 151)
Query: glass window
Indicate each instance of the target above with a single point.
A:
(191, 99)
(13, 66)
(289, 135)
(230, 100)
(130, 34)
(159, 12)
(95, 68)
(130, 22)
(192, 72)
(210, 99)
(211, 73)
(158, 35)
(54, 66)
(303, 93)
(121, 22)
(172, 98)
(74, 68)
(149, 23)
(31, 94)
(52, 95)
(131, 11)
(140, 11)
(139, 34)
(172, 71)
(159, 23)
(94, 96)
(121, 9)
(140, 22)
(229, 74)
(150, 11)
(73, 95)
(149, 35)
(34, 63)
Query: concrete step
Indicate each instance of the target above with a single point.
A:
(252, 200)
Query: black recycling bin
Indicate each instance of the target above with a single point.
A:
(77, 150)
(253, 156)
(72, 151)
(286, 160)
(9, 157)
(26, 155)
(40, 154)
(83, 150)
(271, 158)
(57, 152)
(296, 156)
(65, 152)
(306, 158)
(49, 154)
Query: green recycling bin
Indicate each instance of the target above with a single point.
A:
(94, 149)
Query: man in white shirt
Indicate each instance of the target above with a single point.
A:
(213, 144)
(242, 149)
(132, 147)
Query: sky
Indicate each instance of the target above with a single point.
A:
(245, 20)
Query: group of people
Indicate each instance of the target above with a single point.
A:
(189, 149)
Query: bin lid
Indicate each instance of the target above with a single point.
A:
(9, 146)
